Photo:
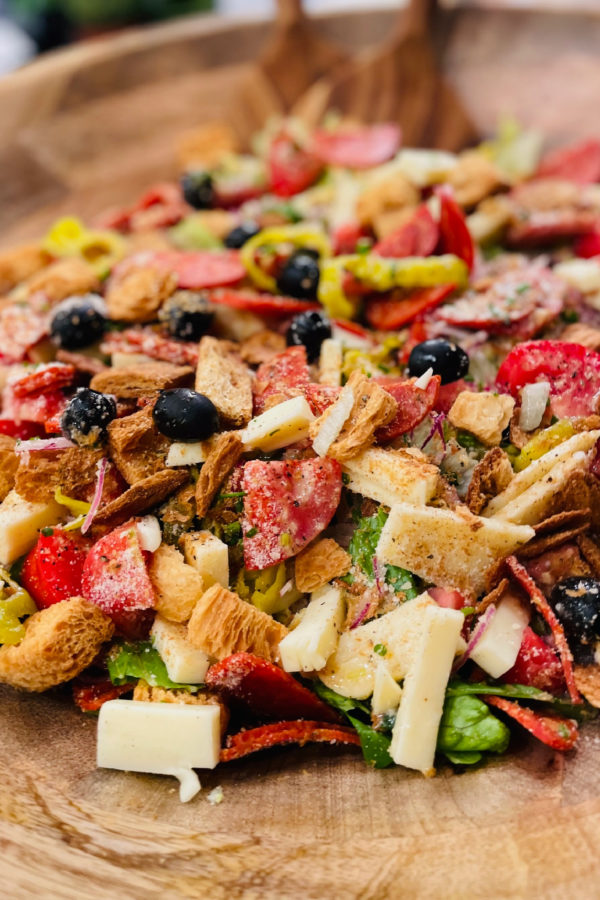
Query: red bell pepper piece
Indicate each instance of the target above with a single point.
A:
(345, 238)
(389, 314)
(455, 236)
(261, 304)
(279, 733)
(536, 664)
(554, 731)
(291, 168)
(266, 690)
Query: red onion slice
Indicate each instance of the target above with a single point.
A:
(55, 443)
(102, 467)
(476, 636)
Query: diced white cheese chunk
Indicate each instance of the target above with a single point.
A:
(392, 476)
(534, 398)
(209, 555)
(386, 692)
(185, 664)
(584, 274)
(159, 738)
(182, 454)
(119, 359)
(149, 533)
(309, 645)
(20, 522)
(333, 421)
(499, 645)
(280, 426)
(414, 737)
(331, 358)
(236, 324)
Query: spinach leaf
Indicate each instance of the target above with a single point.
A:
(140, 660)
(464, 758)
(458, 688)
(375, 744)
(344, 704)
(468, 726)
(363, 547)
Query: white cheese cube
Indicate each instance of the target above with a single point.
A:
(386, 692)
(414, 737)
(185, 664)
(20, 522)
(499, 645)
(159, 738)
(392, 476)
(209, 555)
(279, 426)
(182, 454)
(310, 644)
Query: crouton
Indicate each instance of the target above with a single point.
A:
(261, 347)
(74, 471)
(141, 381)
(372, 408)
(225, 380)
(590, 551)
(319, 563)
(490, 476)
(20, 263)
(222, 624)
(138, 295)
(136, 445)
(580, 333)
(205, 146)
(152, 694)
(141, 497)
(9, 463)
(60, 642)
(391, 476)
(473, 178)
(587, 679)
(388, 194)
(485, 415)
(220, 461)
(331, 359)
(86, 365)
(177, 586)
(65, 278)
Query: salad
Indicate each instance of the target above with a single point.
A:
(305, 448)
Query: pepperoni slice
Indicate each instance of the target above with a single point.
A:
(357, 148)
(291, 168)
(287, 503)
(277, 734)
(413, 405)
(286, 375)
(572, 370)
(153, 344)
(417, 237)
(455, 236)
(200, 269)
(21, 327)
(320, 396)
(554, 731)
(580, 163)
(261, 304)
(551, 226)
(44, 379)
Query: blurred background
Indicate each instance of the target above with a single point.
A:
(28, 27)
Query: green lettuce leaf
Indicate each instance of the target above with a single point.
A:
(468, 729)
(457, 688)
(129, 661)
(362, 549)
(375, 745)
(338, 701)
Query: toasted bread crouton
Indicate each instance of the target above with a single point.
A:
(60, 642)
(20, 263)
(141, 497)
(392, 476)
(74, 471)
(144, 380)
(580, 333)
(220, 461)
(222, 623)
(590, 551)
(65, 278)
(319, 563)
(177, 586)
(9, 463)
(372, 407)
(473, 178)
(225, 380)
(138, 295)
(490, 476)
(261, 347)
(331, 359)
(485, 415)
(137, 446)
(587, 679)
(384, 195)
(205, 146)
(152, 694)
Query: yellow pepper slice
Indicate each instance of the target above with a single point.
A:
(70, 237)
(75, 507)
(383, 274)
(330, 292)
(13, 607)
(298, 235)
(263, 589)
(543, 442)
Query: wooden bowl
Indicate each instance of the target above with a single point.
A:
(89, 127)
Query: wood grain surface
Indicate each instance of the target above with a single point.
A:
(88, 128)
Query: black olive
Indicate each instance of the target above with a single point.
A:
(187, 315)
(198, 189)
(445, 358)
(309, 329)
(299, 276)
(87, 416)
(78, 325)
(238, 236)
(185, 415)
(576, 602)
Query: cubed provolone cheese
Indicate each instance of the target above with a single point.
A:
(185, 664)
(209, 555)
(415, 732)
(282, 425)
(192, 454)
(310, 644)
(159, 738)
(386, 691)
(499, 645)
(20, 522)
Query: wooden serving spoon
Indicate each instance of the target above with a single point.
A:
(295, 57)
(399, 82)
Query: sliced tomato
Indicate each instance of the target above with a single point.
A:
(277, 734)
(588, 245)
(390, 314)
(414, 404)
(551, 227)
(537, 665)
(291, 168)
(580, 163)
(23, 431)
(200, 269)
(229, 194)
(44, 379)
(151, 343)
(286, 374)
(90, 695)
(345, 238)
(21, 328)
(455, 236)
(320, 396)
(447, 598)
(115, 576)
(572, 371)
(261, 304)
(554, 731)
(417, 237)
(287, 504)
(265, 690)
(448, 393)
(53, 569)
(357, 148)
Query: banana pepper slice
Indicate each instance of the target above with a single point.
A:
(298, 235)
(383, 274)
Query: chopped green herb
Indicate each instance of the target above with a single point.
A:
(251, 532)
(380, 649)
